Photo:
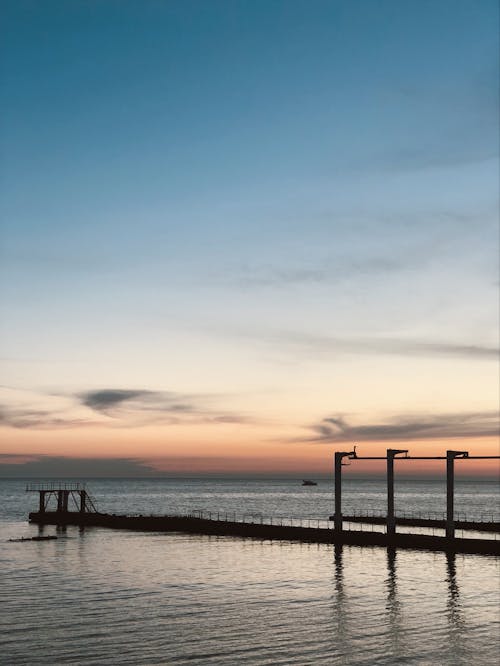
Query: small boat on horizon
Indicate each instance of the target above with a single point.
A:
(308, 482)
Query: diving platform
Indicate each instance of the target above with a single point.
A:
(64, 495)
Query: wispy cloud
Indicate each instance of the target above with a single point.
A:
(339, 268)
(35, 465)
(117, 408)
(26, 465)
(335, 429)
(108, 401)
(142, 405)
(22, 417)
(315, 345)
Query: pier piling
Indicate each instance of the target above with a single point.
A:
(339, 456)
(450, 490)
(391, 521)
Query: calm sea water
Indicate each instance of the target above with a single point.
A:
(114, 597)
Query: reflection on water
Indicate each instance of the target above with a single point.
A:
(457, 634)
(393, 605)
(340, 610)
(453, 591)
(97, 596)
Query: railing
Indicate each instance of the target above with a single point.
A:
(54, 485)
(428, 515)
(322, 523)
(314, 523)
(286, 521)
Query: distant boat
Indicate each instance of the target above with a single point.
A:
(308, 482)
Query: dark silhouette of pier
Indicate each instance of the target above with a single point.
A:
(63, 494)
(218, 524)
(393, 454)
(420, 521)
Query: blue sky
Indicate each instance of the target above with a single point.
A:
(248, 199)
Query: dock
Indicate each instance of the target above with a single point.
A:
(190, 524)
(68, 496)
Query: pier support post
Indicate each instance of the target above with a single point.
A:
(41, 503)
(391, 520)
(83, 500)
(60, 500)
(337, 517)
(450, 490)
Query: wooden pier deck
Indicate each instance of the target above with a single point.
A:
(206, 526)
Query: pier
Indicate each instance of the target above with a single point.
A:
(86, 515)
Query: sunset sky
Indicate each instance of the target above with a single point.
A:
(240, 235)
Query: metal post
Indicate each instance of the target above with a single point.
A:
(83, 498)
(41, 506)
(65, 500)
(60, 500)
(391, 520)
(450, 483)
(337, 517)
(450, 490)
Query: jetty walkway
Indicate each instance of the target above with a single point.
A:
(254, 528)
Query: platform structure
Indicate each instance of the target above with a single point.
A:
(87, 515)
(390, 457)
(65, 495)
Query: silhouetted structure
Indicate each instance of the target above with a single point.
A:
(450, 490)
(391, 455)
(62, 493)
(195, 525)
(339, 457)
(391, 521)
(87, 515)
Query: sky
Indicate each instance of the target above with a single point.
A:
(237, 236)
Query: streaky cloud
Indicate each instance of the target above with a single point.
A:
(107, 400)
(310, 344)
(24, 418)
(121, 408)
(147, 406)
(25, 465)
(335, 429)
(340, 268)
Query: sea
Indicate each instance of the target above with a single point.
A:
(101, 596)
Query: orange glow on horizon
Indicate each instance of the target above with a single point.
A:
(228, 452)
